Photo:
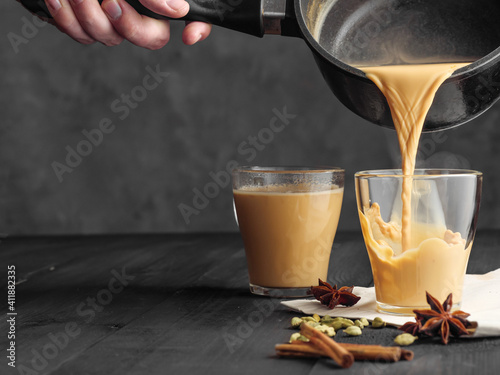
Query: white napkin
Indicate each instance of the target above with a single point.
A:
(481, 299)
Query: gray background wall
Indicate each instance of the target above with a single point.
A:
(217, 94)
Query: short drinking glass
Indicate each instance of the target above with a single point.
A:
(418, 242)
(288, 217)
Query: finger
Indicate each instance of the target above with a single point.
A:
(138, 29)
(40, 14)
(169, 8)
(94, 22)
(195, 32)
(66, 21)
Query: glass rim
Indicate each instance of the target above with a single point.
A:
(288, 169)
(426, 173)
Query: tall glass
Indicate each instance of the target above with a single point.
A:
(287, 218)
(440, 229)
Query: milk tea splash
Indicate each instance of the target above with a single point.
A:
(409, 90)
(410, 253)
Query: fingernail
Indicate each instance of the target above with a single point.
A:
(55, 5)
(76, 2)
(198, 39)
(112, 9)
(176, 4)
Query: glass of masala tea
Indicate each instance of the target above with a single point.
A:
(288, 218)
(418, 230)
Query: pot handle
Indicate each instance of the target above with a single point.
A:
(241, 15)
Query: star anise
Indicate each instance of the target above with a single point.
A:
(331, 296)
(413, 328)
(438, 320)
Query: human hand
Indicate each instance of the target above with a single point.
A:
(115, 20)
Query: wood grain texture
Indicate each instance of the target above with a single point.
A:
(186, 308)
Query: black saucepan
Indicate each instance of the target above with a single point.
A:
(343, 34)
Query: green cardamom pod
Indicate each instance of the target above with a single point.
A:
(405, 339)
(378, 323)
(296, 322)
(353, 331)
(347, 323)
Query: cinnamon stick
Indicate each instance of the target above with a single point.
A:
(331, 348)
(407, 355)
(360, 352)
(374, 352)
(302, 348)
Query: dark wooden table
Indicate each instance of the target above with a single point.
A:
(158, 304)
